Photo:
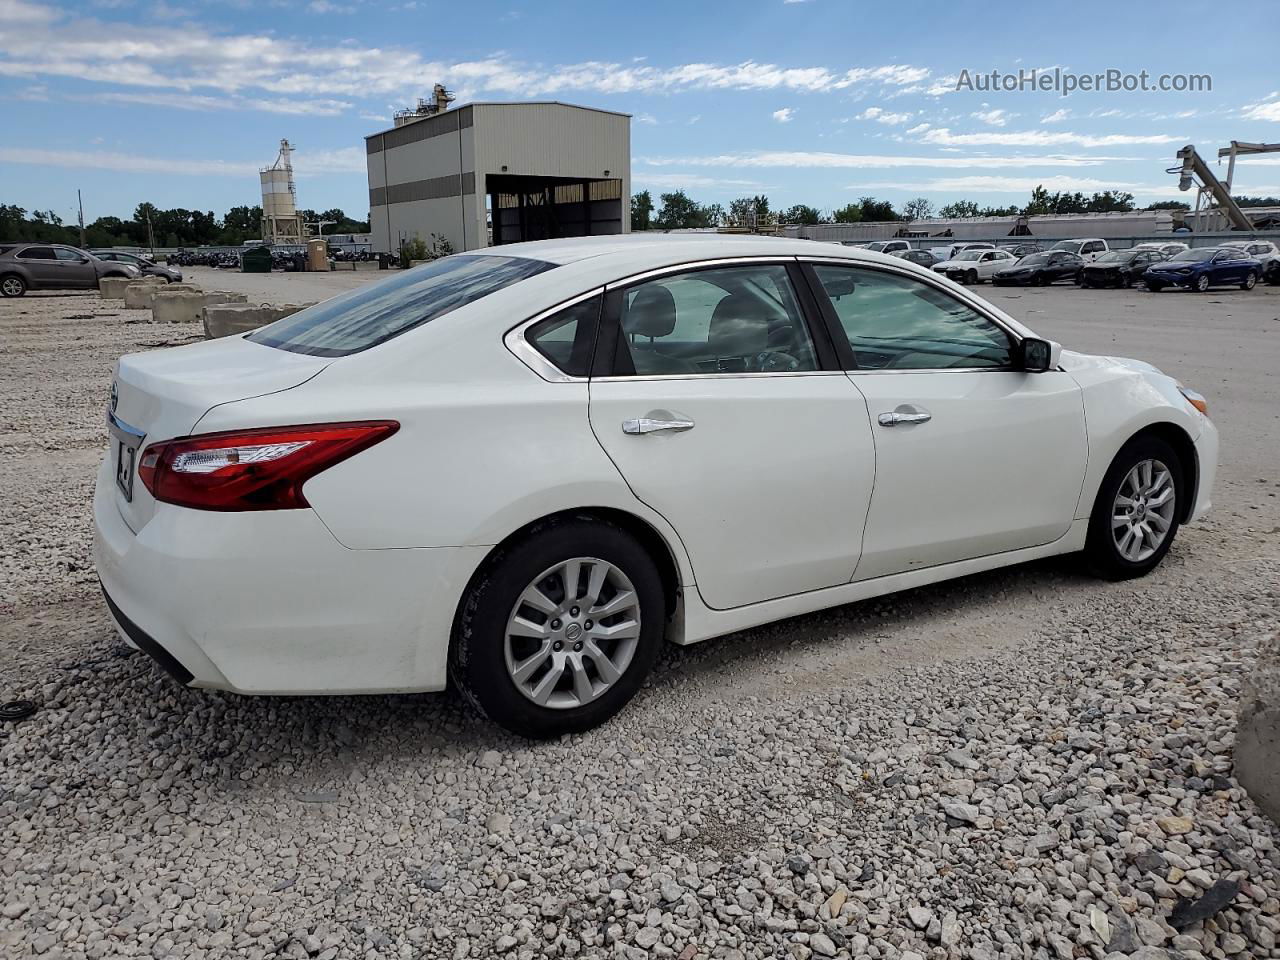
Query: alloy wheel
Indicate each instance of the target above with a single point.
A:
(1142, 513)
(11, 287)
(1202, 283)
(572, 633)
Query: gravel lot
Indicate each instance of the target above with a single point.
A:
(1027, 763)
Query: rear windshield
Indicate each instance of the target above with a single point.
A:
(373, 314)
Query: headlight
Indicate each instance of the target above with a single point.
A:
(1197, 400)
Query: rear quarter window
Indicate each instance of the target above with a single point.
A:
(374, 314)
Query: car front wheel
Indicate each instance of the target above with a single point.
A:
(1136, 513)
(1202, 283)
(1250, 279)
(558, 632)
(12, 286)
(1155, 286)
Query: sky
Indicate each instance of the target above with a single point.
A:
(806, 101)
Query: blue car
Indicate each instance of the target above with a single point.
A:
(1204, 267)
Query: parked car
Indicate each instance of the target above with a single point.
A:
(1040, 269)
(369, 478)
(1090, 248)
(949, 251)
(1264, 251)
(888, 246)
(147, 267)
(1023, 249)
(1170, 249)
(1118, 268)
(974, 266)
(1203, 267)
(923, 258)
(53, 266)
(1271, 273)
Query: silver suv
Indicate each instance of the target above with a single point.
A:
(53, 266)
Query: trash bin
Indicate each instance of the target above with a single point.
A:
(256, 260)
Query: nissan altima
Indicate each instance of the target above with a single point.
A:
(524, 468)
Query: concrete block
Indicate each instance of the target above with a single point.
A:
(1257, 746)
(112, 288)
(138, 294)
(229, 320)
(187, 306)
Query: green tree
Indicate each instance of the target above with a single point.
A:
(1174, 205)
(959, 210)
(917, 209)
(874, 210)
(849, 213)
(802, 214)
(1111, 201)
(679, 211)
(641, 211)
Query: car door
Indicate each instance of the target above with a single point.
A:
(727, 413)
(75, 270)
(973, 456)
(42, 263)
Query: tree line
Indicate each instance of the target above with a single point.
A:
(677, 210)
(178, 227)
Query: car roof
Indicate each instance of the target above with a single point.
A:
(645, 251)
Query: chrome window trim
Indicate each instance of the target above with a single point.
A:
(746, 374)
(524, 351)
(779, 259)
(967, 299)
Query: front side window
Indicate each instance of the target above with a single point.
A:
(899, 323)
(718, 321)
(567, 337)
(371, 315)
(70, 256)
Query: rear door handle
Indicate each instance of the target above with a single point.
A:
(895, 418)
(646, 425)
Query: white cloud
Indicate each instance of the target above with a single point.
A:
(817, 159)
(986, 184)
(783, 115)
(345, 160)
(146, 55)
(189, 101)
(880, 115)
(993, 118)
(942, 136)
(685, 181)
(1268, 109)
(1056, 117)
(918, 128)
(646, 118)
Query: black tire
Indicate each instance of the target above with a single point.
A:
(1155, 286)
(12, 285)
(1126, 281)
(971, 278)
(1079, 279)
(1041, 280)
(1101, 553)
(1202, 283)
(1250, 280)
(477, 661)
(1271, 275)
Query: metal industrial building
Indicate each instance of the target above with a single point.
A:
(535, 170)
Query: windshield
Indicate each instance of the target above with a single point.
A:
(371, 315)
(1072, 245)
(1194, 256)
(969, 254)
(1116, 256)
(878, 245)
(1034, 260)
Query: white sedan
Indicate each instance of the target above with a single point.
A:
(974, 266)
(524, 468)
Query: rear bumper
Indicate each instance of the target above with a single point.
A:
(271, 603)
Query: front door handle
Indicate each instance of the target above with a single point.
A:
(646, 425)
(895, 418)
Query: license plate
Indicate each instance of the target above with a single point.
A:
(124, 468)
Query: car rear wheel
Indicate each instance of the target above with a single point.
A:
(1126, 281)
(1202, 283)
(971, 277)
(12, 285)
(560, 629)
(1137, 510)
(1250, 280)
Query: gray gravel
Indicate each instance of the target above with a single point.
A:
(1026, 764)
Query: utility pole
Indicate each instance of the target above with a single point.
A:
(151, 236)
(80, 201)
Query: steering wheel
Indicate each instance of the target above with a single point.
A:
(775, 361)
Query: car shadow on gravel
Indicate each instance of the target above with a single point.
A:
(241, 748)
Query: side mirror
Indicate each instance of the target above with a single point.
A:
(1039, 356)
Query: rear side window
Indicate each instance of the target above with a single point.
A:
(37, 253)
(374, 314)
(567, 338)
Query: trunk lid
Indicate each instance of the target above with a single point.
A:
(164, 394)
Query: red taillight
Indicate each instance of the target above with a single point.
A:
(252, 469)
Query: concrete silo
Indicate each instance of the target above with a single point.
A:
(281, 222)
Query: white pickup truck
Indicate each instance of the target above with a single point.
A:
(1088, 248)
